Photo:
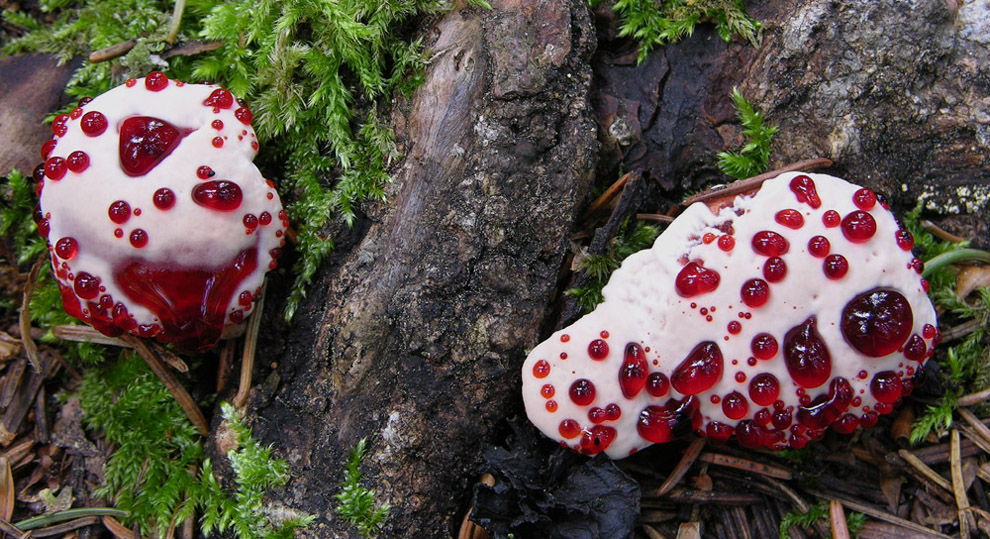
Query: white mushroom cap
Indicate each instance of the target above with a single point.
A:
(158, 222)
(725, 315)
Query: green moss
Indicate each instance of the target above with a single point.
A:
(356, 503)
(753, 158)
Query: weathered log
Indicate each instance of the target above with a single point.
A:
(414, 338)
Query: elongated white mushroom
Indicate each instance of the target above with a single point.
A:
(772, 318)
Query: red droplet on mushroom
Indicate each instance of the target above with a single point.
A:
(86, 286)
(265, 219)
(764, 346)
(596, 415)
(774, 269)
(250, 221)
(831, 219)
(569, 429)
(204, 172)
(790, 218)
(156, 81)
(735, 405)
(220, 98)
(769, 243)
(60, 125)
(551, 406)
(541, 369)
(656, 424)
(904, 239)
(819, 246)
(755, 292)
(699, 371)
(66, 248)
(582, 392)
(695, 279)
(55, 168)
(657, 384)
(613, 412)
(782, 418)
(633, 373)
(858, 226)
(805, 190)
(915, 349)
(928, 331)
(733, 327)
(48, 147)
(596, 439)
(598, 349)
(718, 433)
(835, 267)
(77, 161)
(217, 124)
(877, 322)
(145, 142)
(217, 142)
(244, 115)
(119, 212)
(219, 195)
(139, 238)
(864, 199)
(164, 198)
(806, 355)
(93, 124)
(886, 387)
(726, 242)
(825, 409)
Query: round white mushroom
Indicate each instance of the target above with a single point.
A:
(157, 220)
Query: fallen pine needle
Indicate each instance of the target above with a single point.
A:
(837, 516)
(687, 460)
(728, 461)
(925, 470)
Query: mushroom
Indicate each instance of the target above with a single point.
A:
(157, 221)
(772, 317)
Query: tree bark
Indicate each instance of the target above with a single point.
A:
(414, 337)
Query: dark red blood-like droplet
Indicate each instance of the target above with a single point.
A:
(220, 98)
(265, 219)
(804, 189)
(699, 371)
(86, 286)
(48, 147)
(718, 433)
(598, 349)
(904, 239)
(755, 292)
(877, 322)
(819, 246)
(869, 419)
(806, 356)
(633, 373)
(60, 125)
(782, 418)
(657, 384)
(774, 269)
(217, 142)
(835, 267)
(250, 221)
(764, 346)
(219, 195)
(541, 369)
(204, 172)
(596, 415)
(582, 392)
(245, 299)
(613, 412)
(145, 142)
(825, 409)
(858, 226)
(845, 424)
(735, 405)
(77, 161)
(569, 428)
(928, 331)
(695, 279)
(139, 238)
(831, 219)
(66, 248)
(864, 199)
(55, 168)
(750, 435)
(915, 349)
(764, 389)
(93, 123)
(886, 387)
(769, 243)
(726, 242)
(244, 115)
(596, 439)
(156, 81)
(119, 212)
(164, 198)
(656, 424)
(790, 218)
(733, 327)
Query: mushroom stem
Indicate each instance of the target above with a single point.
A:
(955, 257)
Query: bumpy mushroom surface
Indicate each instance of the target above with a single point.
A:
(157, 221)
(781, 314)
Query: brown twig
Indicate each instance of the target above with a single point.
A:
(925, 470)
(958, 487)
(6, 490)
(80, 333)
(743, 186)
(837, 517)
(973, 398)
(687, 460)
(180, 394)
(981, 430)
(941, 233)
(250, 347)
(605, 198)
(117, 529)
(655, 217)
(880, 515)
(720, 459)
(112, 51)
(30, 348)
